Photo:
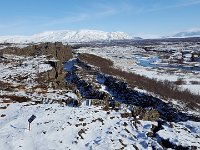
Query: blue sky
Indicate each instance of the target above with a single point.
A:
(136, 17)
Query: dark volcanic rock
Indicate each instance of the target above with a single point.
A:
(57, 50)
(1, 53)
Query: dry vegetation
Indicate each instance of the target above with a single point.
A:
(180, 81)
(6, 86)
(15, 98)
(166, 89)
(11, 87)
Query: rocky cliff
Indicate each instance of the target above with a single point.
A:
(57, 54)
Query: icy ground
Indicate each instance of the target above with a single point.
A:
(123, 59)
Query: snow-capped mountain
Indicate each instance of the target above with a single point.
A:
(185, 34)
(67, 36)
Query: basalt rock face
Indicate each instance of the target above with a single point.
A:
(55, 77)
(166, 111)
(1, 53)
(61, 53)
(56, 50)
(93, 84)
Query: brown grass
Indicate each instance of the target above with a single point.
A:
(96, 60)
(11, 87)
(15, 98)
(166, 89)
(40, 89)
(180, 81)
(5, 86)
(41, 86)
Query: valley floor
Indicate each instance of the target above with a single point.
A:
(126, 58)
(60, 126)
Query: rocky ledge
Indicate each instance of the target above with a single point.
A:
(57, 54)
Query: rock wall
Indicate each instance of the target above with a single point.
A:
(121, 90)
(1, 53)
(89, 81)
(57, 50)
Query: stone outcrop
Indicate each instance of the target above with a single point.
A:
(145, 114)
(158, 108)
(61, 53)
(56, 50)
(89, 81)
(86, 86)
(1, 53)
(55, 77)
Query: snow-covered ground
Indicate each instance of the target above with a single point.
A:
(178, 134)
(59, 126)
(18, 75)
(17, 66)
(85, 127)
(123, 58)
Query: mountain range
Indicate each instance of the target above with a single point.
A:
(81, 36)
(186, 34)
(68, 36)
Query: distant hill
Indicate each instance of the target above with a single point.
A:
(186, 34)
(69, 36)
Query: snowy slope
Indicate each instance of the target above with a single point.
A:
(67, 36)
(64, 128)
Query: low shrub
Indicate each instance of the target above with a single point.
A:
(180, 81)
(15, 98)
